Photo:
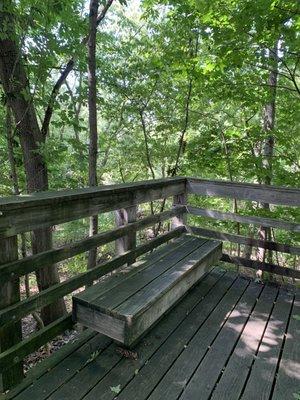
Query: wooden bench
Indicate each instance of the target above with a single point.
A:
(126, 304)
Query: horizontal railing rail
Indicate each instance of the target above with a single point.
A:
(245, 191)
(258, 221)
(33, 263)
(25, 213)
(246, 241)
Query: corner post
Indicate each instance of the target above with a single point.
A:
(125, 216)
(11, 334)
(179, 200)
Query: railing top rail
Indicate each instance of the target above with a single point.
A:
(244, 191)
(278, 195)
(66, 195)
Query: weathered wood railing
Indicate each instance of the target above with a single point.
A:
(25, 213)
(255, 193)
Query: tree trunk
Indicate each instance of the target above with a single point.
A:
(17, 91)
(92, 102)
(269, 114)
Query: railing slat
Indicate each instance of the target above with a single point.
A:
(260, 221)
(266, 267)
(16, 353)
(283, 248)
(47, 296)
(32, 263)
(245, 191)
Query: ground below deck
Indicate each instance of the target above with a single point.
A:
(229, 338)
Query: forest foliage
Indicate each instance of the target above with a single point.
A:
(182, 87)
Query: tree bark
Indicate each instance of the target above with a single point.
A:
(269, 114)
(17, 92)
(92, 103)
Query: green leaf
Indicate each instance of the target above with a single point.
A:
(116, 389)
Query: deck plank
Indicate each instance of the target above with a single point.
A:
(64, 371)
(141, 299)
(100, 288)
(207, 373)
(262, 375)
(287, 384)
(163, 359)
(235, 374)
(110, 300)
(86, 378)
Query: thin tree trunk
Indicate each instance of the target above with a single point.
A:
(234, 203)
(269, 114)
(92, 102)
(16, 88)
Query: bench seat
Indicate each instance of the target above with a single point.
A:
(126, 304)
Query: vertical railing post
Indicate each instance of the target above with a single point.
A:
(128, 242)
(11, 334)
(179, 200)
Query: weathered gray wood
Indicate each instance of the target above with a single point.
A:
(288, 375)
(179, 200)
(128, 287)
(59, 196)
(126, 370)
(177, 376)
(273, 268)
(103, 323)
(22, 214)
(208, 371)
(170, 354)
(11, 334)
(148, 316)
(233, 379)
(262, 375)
(68, 366)
(126, 216)
(46, 365)
(16, 353)
(96, 367)
(50, 257)
(47, 296)
(142, 299)
(105, 303)
(163, 360)
(245, 191)
(247, 241)
(121, 276)
(260, 221)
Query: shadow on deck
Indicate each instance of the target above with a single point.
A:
(229, 338)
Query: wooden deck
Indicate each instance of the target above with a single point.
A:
(229, 338)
